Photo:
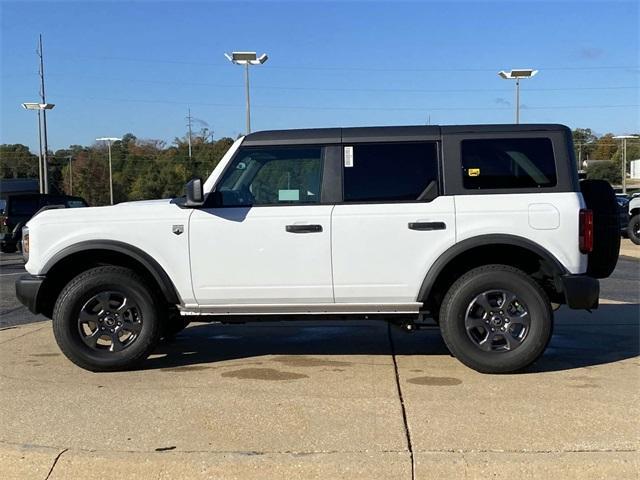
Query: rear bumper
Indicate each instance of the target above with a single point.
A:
(580, 291)
(27, 289)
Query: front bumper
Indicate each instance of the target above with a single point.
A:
(27, 289)
(580, 291)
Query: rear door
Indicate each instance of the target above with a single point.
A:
(392, 223)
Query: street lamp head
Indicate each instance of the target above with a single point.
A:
(622, 137)
(37, 106)
(108, 139)
(518, 73)
(246, 58)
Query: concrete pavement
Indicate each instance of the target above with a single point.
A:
(325, 400)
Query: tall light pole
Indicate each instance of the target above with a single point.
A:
(43, 171)
(246, 59)
(517, 75)
(624, 158)
(109, 141)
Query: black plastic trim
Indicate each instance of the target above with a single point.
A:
(580, 291)
(493, 239)
(153, 267)
(27, 290)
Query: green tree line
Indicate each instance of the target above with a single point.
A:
(147, 169)
(142, 169)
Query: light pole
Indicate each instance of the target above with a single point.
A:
(43, 172)
(517, 75)
(624, 158)
(246, 59)
(109, 141)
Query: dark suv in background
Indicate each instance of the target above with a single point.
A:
(20, 208)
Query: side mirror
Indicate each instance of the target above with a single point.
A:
(195, 195)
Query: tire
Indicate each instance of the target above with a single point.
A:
(100, 301)
(633, 229)
(600, 197)
(463, 320)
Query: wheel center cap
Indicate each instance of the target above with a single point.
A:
(109, 321)
(496, 321)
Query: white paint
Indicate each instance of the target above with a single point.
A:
(377, 258)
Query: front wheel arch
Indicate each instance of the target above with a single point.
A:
(75, 259)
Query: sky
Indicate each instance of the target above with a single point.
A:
(118, 67)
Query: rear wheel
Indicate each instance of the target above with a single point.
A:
(633, 229)
(106, 319)
(495, 319)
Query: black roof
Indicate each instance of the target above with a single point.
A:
(363, 134)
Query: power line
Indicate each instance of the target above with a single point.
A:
(310, 107)
(348, 67)
(344, 89)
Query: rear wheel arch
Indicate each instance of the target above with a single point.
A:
(75, 259)
(509, 250)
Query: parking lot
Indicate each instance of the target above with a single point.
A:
(326, 400)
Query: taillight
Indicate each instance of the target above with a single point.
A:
(586, 231)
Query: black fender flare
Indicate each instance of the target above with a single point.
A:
(482, 240)
(163, 280)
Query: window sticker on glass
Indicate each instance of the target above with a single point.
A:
(473, 172)
(348, 156)
(288, 195)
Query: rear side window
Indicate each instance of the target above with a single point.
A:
(389, 171)
(508, 163)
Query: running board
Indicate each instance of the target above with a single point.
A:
(305, 309)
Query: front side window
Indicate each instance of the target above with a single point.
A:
(272, 176)
(508, 163)
(380, 172)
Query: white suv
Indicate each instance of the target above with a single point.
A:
(482, 228)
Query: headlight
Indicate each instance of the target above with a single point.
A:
(25, 243)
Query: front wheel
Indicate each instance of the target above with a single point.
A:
(495, 319)
(105, 319)
(633, 229)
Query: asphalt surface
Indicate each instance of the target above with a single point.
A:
(356, 400)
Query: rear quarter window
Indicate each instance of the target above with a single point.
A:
(508, 163)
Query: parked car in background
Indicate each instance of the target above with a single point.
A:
(623, 206)
(633, 228)
(19, 209)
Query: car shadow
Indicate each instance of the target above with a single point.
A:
(580, 339)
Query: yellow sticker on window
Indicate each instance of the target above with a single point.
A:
(473, 172)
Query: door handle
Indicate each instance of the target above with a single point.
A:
(303, 228)
(424, 226)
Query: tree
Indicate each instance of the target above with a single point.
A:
(605, 148)
(16, 161)
(584, 143)
(608, 171)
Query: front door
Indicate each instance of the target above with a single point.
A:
(265, 239)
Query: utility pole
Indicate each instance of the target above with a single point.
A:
(70, 157)
(45, 161)
(189, 118)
